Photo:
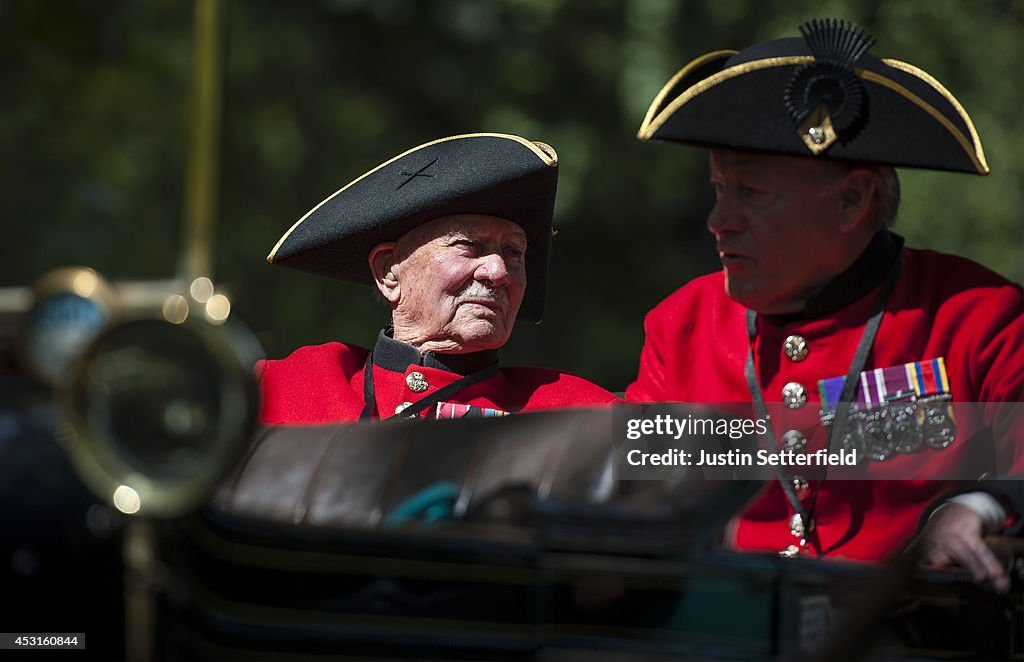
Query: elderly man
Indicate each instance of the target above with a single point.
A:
(819, 305)
(448, 233)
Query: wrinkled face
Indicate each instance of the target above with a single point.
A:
(461, 281)
(776, 227)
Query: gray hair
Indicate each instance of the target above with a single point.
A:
(885, 204)
(887, 195)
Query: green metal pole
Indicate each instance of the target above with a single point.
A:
(202, 166)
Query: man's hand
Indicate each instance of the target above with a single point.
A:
(953, 538)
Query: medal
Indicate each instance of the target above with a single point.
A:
(897, 408)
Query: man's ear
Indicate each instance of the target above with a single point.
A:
(382, 257)
(856, 199)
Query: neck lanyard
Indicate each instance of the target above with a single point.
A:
(413, 410)
(860, 357)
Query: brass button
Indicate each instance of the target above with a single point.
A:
(794, 395)
(794, 441)
(402, 407)
(801, 487)
(796, 526)
(795, 348)
(416, 382)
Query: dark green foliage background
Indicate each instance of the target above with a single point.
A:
(94, 119)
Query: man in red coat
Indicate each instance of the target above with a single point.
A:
(448, 232)
(819, 306)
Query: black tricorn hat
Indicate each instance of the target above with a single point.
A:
(821, 95)
(490, 174)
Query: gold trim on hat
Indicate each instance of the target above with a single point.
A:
(682, 73)
(549, 151)
(979, 164)
(906, 67)
(543, 151)
(972, 148)
(712, 80)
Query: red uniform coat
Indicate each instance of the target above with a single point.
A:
(324, 383)
(942, 306)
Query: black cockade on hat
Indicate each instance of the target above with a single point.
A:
(825, 98)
